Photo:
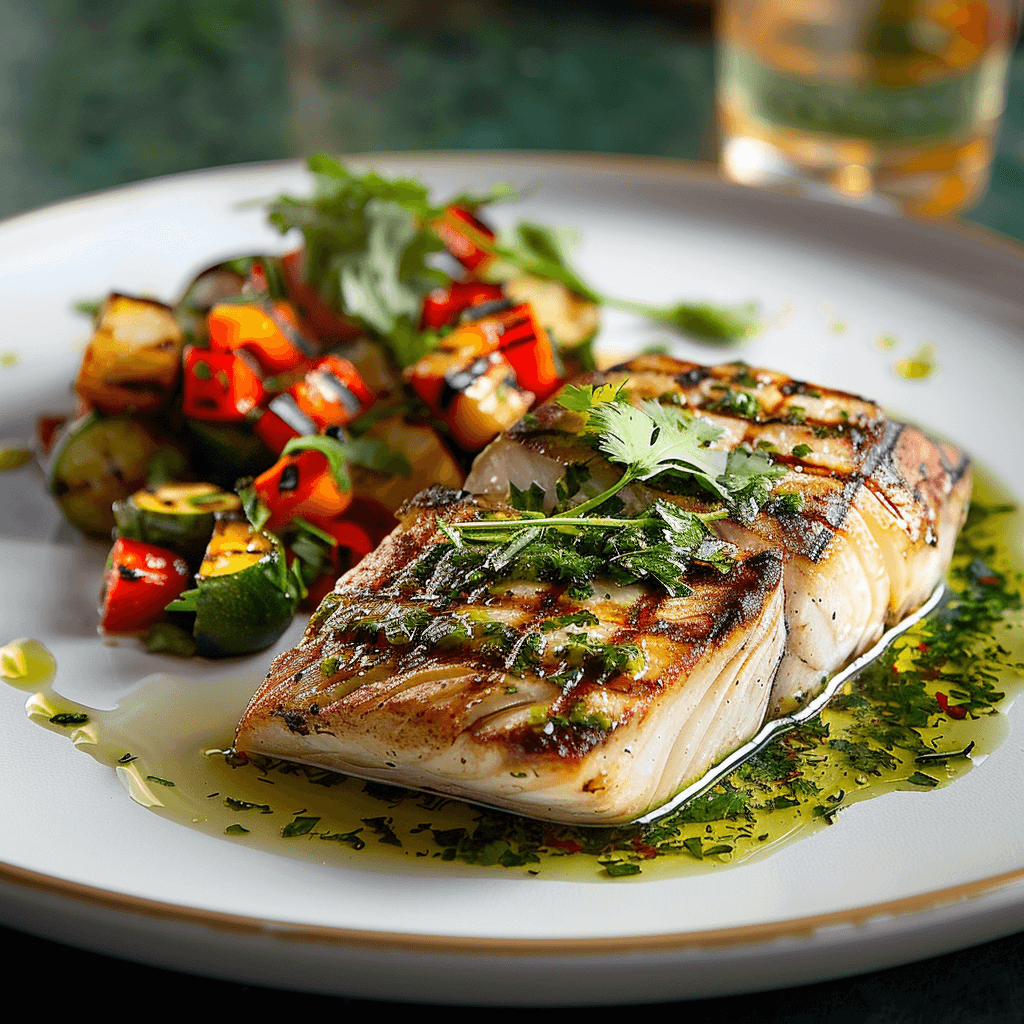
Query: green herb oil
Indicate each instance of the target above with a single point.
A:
(912, 721)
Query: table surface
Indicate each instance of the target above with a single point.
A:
(97, 94)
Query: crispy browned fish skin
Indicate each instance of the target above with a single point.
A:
(882, 502)
(454, 718)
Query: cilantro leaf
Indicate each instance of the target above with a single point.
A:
(653, 439)
(529, 500)
(367, 242)
(331, 448)
(584, 399)
(749, 477)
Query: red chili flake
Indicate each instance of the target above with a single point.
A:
(989, 581)
(645, 851)
(569, 845)
(956, 711)
(922, 646)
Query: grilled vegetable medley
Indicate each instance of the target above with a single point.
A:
(250, 441)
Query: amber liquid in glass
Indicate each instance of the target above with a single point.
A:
(892, 102)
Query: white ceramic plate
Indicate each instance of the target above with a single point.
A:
(897, 878)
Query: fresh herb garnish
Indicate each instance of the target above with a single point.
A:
(650, 441)
(704, 320)
(367, 243)
(66, 718)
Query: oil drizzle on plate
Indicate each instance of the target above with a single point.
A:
(915, 719)
(919, 366)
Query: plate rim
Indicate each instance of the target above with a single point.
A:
(736, 936)
(759, 933)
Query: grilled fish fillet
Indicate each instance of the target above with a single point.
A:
(881, 502)
(494, 696)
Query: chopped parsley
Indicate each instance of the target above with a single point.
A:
(575, 546)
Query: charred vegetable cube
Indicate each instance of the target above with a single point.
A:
(140, 581)
(98, 460)
(245, 596)
(267, 330)
(222, 387)
(133, 359)
(442, 306)
(570, 319)
(332, 394)
(179, 516)
(470, 385)
(523, 342)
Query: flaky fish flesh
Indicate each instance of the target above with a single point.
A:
(596, 705)
(881, 502)
(501, 696)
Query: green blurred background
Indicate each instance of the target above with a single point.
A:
(95, 93)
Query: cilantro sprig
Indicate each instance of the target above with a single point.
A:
(651, 441)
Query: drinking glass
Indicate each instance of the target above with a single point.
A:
(891, 103)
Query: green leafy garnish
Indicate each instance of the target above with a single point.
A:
(302, 825)
(340, 450)
(541, 251)
(255, 511)
(331, 448)
(186, 601)
(66, 718)
(651, 442)
(367, 242)
(704, 320)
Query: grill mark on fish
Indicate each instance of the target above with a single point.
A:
(426, 701)
(865, 480)
(881, 503)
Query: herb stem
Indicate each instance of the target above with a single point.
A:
(562, 520)
(627, 477)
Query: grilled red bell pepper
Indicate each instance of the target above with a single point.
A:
(140, 581)
(465, 236)
(221, 386)
(442, 306)
(269, 330)
(310, 480)
(280, 422)
(526, 345)
(329, 327)
(326, 552)
(332, 394)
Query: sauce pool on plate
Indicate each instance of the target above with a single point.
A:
(917, 718)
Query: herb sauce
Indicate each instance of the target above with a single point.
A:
(919, 366)
(915, 719)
